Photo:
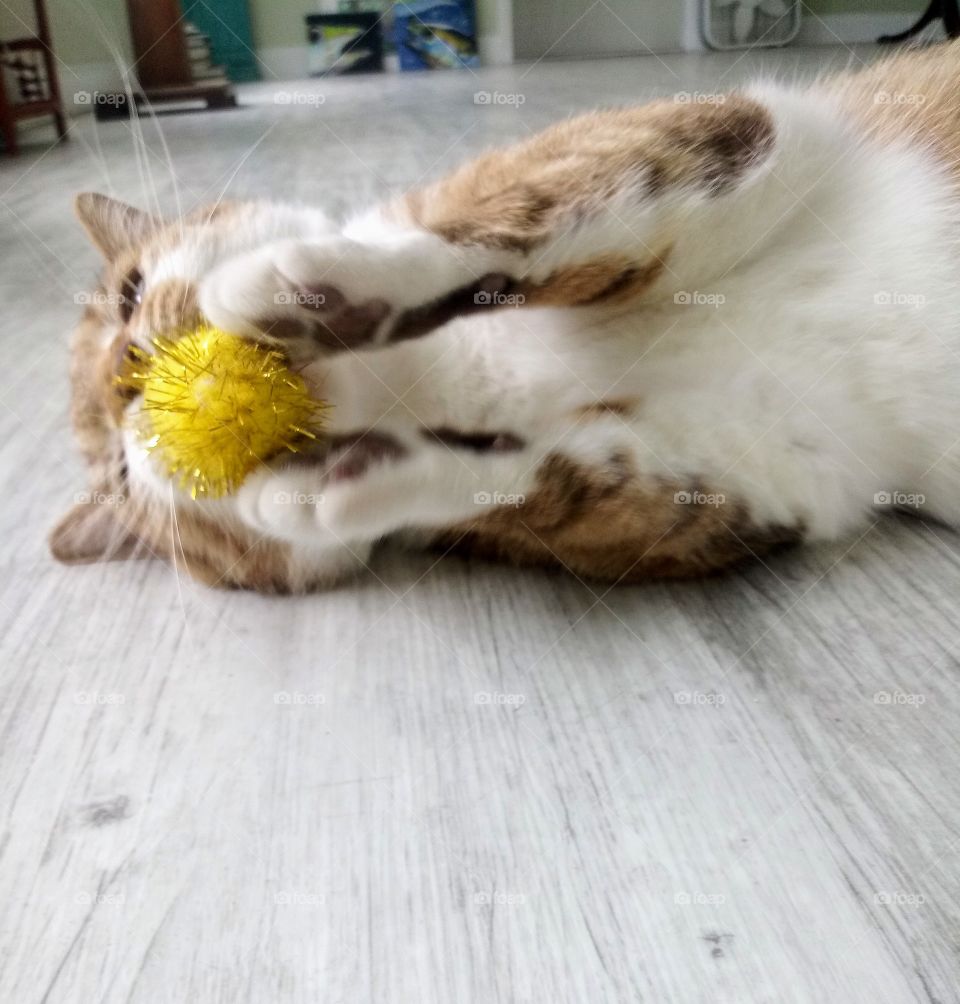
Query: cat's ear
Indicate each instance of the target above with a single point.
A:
(113, 226)
(91, 531)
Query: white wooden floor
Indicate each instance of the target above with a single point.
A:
(449, 783)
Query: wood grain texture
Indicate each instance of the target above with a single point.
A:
(449, 782)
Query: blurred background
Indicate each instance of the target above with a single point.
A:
(194, 50)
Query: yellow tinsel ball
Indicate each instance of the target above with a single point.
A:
(216, 406)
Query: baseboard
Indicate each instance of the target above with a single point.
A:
(850, 29)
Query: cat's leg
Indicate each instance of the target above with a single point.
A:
(605, 208)
(597, 517)
(376, 486)
(340, 293)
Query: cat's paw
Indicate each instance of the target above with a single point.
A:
(339, 294)
(289, 291)
(318, 499)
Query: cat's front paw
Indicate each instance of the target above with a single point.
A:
(318, 499)
(339, 294)
(291, 292)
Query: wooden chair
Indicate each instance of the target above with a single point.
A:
(33, 60)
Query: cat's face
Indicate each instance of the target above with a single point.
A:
(150, 284)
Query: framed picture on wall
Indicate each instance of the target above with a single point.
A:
(344, 43)
(434, 36)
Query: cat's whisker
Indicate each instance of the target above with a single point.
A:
(97, 155)
(140, 147)
(236, 170)
(166, 152)
(175, 540)
(141, 150)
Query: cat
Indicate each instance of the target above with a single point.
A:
(647, 342)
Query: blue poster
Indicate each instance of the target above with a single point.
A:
(433, 36)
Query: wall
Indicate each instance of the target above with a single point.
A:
(564, 29)
(827, 21)
(84, 32)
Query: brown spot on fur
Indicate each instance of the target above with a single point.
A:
(478, 442)
(522, 196)
(480, 295)
(609, 524)
(602, 409)
(351, 325)
(609, 279)
(716, 149)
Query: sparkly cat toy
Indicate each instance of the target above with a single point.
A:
(215, 407)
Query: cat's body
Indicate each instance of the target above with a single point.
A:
(691, 332)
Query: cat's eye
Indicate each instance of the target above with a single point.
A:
(131, 293)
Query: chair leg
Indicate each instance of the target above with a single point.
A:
(61, 121)
(8, 123)
(9, 131)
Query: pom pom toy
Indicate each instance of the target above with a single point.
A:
(216, 406)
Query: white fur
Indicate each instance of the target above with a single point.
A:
(793, 388)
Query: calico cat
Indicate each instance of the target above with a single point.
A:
(647, 342)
